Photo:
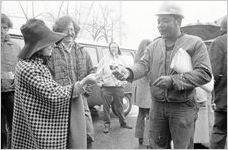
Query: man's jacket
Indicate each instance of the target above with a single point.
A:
(218, 56)
(69, 67)
(154, 64)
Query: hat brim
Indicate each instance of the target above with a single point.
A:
(32, 48)
(167, 13)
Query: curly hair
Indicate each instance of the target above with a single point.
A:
(62, 23)
(5, 19)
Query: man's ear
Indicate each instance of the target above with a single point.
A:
(178, 22)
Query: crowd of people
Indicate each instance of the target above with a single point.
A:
(45, 85)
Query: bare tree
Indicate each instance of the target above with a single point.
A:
(47, 16)
(94, 29)
(99, 22)
(104, 25)
(60, 8)
(26, 16)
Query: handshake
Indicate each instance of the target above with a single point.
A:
(120, 72)
(88, 83)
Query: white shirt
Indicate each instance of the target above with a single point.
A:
(105, 73)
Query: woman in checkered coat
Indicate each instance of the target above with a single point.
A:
(41, 109)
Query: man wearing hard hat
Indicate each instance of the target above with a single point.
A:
(173, 110)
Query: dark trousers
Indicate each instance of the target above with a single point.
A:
(113, 96)
(7, 99)
(172, 121)
(89, 122)
(219, 131)
(140, 123)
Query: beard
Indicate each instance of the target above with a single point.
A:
(69, 39)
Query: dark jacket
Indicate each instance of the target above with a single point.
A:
(9, 52)
(183, 88)
(218, 56)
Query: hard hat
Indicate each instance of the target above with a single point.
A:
(170, 8)
(223, 24)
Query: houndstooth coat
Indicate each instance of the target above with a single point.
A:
(41, 108)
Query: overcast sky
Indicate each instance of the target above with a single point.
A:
(143, 24)
(140, 22)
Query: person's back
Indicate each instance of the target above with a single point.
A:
(220, 71)
(218, 55)
(143, 101)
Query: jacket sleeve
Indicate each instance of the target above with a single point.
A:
(201, 73)
(42, 85)
(139, 69)
(217, 57)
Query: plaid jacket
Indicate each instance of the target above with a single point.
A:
(41, 108)
(75, 65)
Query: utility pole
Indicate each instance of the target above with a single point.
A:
(120, 22)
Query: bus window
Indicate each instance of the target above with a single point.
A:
(127, 55)
(104, 51)
(128, 58)
(19, 41)
(93, 54)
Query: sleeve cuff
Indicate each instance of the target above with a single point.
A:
(77, 90)
(131, 75)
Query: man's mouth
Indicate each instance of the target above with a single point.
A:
(162, 31)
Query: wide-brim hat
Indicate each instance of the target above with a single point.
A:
(37, 36)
